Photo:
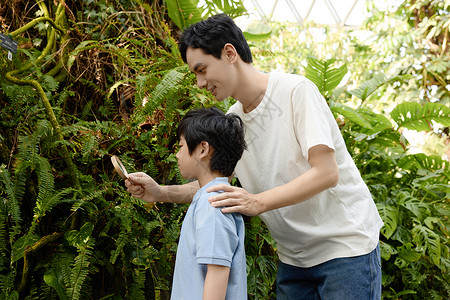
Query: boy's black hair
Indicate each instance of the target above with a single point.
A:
(223, 132)
(212, 34)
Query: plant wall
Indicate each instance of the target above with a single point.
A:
(92, 79)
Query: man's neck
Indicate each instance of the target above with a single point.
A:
(253, 86)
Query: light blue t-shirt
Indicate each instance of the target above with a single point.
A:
(209, 236)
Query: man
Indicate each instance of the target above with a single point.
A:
(297, 174)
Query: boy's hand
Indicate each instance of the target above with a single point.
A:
(144, 187)
(235, 199)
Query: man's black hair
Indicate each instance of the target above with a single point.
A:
(223, 132)
(212, 34)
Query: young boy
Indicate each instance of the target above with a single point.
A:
(210, 262)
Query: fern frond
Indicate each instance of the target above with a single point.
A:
(87, 199)
(121, 241)
(12, 190)
(80, 270)
(138, 285)
(168, 85)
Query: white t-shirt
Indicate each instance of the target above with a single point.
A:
(339, 222)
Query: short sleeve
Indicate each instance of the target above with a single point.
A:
(215, 233)
(312, 117)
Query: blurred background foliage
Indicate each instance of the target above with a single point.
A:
(92, 79)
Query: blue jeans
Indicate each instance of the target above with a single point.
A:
(349, 278)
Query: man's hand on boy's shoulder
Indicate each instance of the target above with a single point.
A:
(235, 199)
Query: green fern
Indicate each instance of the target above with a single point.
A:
(13, 190)
(80, 270)
(122, 240)
(416, 116)
(83, 241)
(168, 85)
(138, 285)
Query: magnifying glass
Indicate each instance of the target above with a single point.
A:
(120, 169)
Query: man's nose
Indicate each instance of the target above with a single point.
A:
(201, 82)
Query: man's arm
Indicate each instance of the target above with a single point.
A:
(323, 174)
(145, 188)
(216, 282)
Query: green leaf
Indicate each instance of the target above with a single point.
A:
(52, 279)
(80, 237)
(416, 116)
(21, 244)
(371, 85)
(387, 250)
(406, 255)
(428, 240)
(168, 85)
(423, 161)
(76, 51)
(352, 115)
(257, 31)
(184, 12)
(324, 76)
(389, 214)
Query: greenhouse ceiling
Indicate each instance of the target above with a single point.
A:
(338, 13)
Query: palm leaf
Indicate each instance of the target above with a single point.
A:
(371, 85)
(352, 115)
(418, 117)
(324, 76)
(184, 12)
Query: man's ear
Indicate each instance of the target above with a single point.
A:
(230, 53)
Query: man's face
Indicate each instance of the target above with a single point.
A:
(213, 74)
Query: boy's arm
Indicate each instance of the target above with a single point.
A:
(145, 188)
(216, 282)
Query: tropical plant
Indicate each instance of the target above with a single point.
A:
(93, 79)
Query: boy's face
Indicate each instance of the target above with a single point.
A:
(213, 74)
(187, 163)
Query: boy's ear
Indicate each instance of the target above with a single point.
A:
(230, 52)
(205, 149)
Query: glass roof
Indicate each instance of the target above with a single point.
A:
(336, 13)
